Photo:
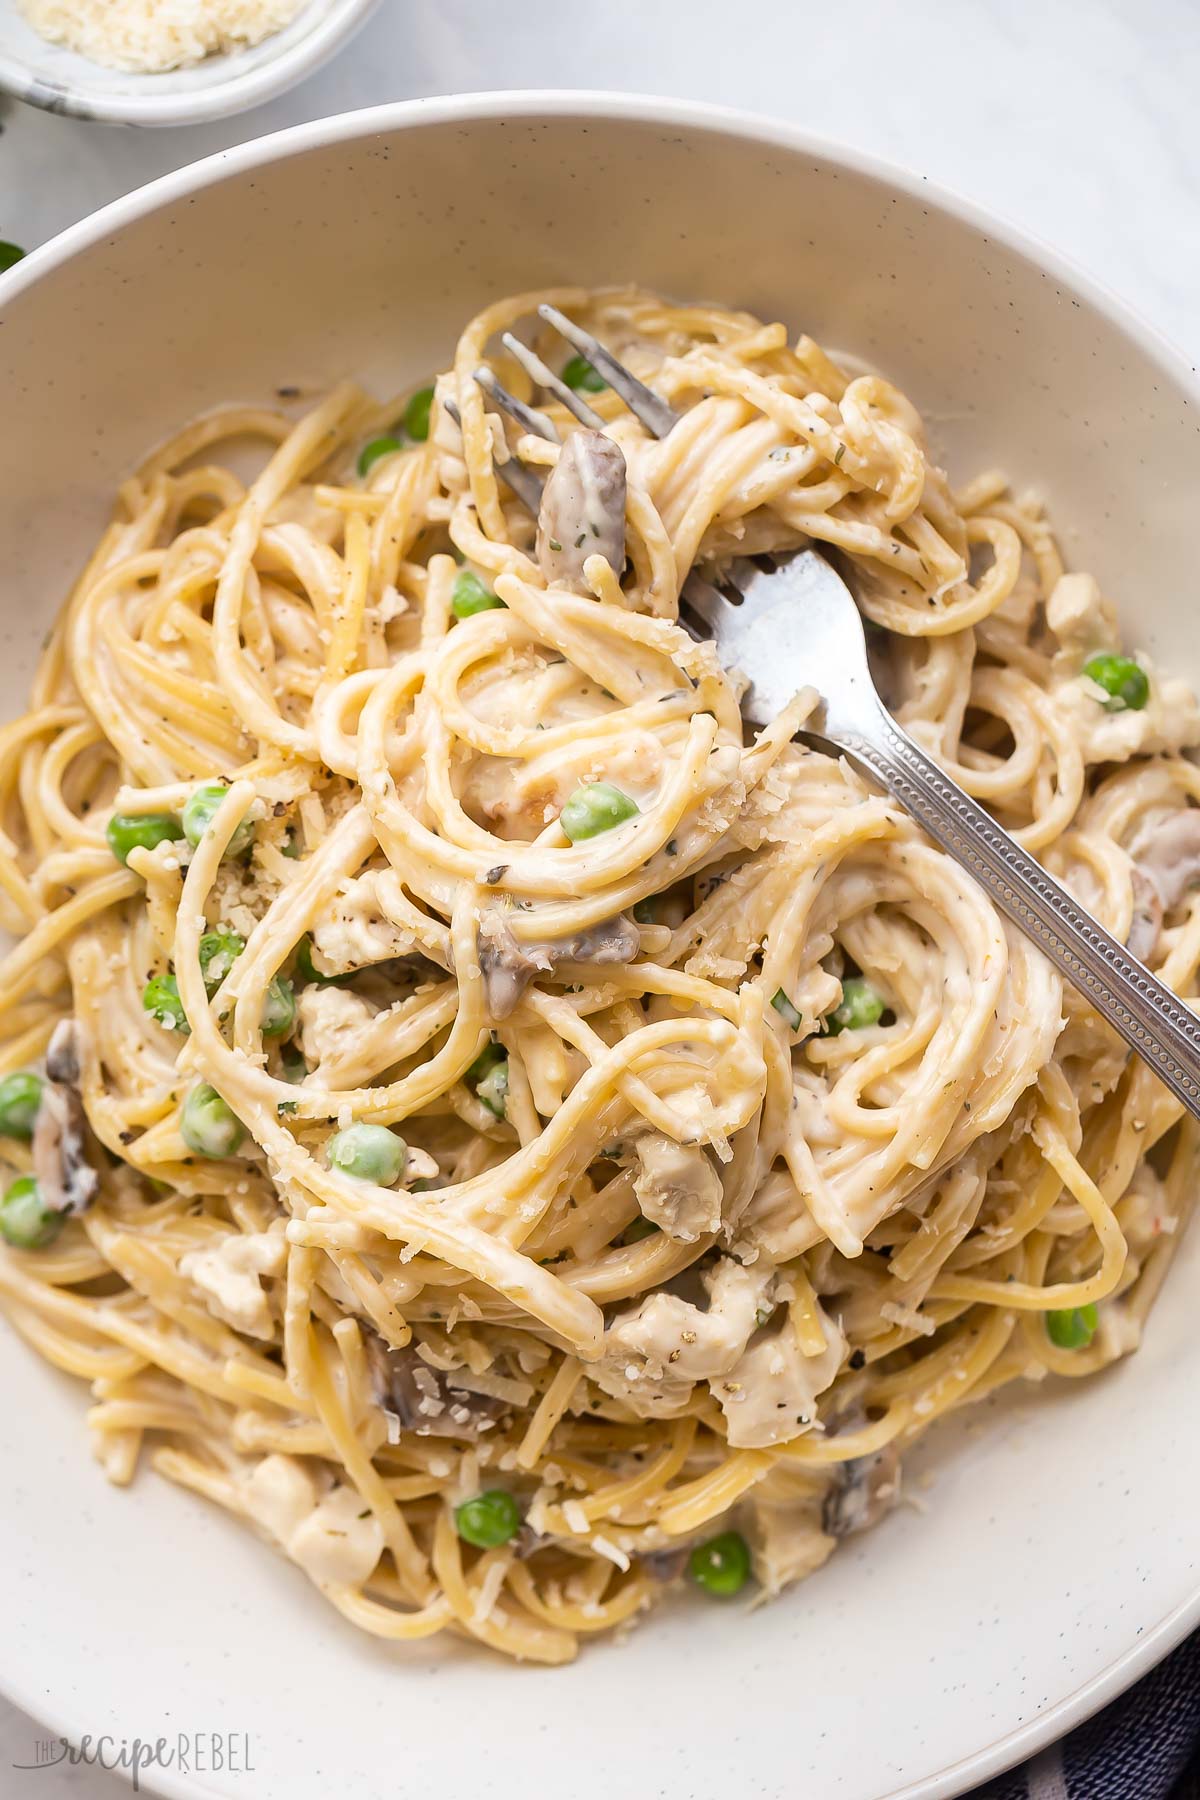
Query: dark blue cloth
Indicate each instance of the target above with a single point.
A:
(1143, 1747)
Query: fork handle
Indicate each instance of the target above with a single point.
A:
(1151, 1018)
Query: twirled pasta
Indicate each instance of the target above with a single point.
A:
(707, 1261)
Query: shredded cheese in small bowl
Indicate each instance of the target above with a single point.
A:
(165, 62)
(149, 36)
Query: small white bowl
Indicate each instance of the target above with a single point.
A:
(49, 76)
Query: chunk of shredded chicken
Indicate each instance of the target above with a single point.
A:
(331, 1021)
(655, 1355)
(1084, 623)
(229, 1275)
(357, 930)
(331, 1535)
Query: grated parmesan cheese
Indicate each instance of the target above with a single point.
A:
(605, 1547)
(907, 1318)
(576, 1518)
(148, 36)
(488, 1591)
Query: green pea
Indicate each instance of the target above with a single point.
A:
(371, 1152)
(201, 809)
(293, 1068)
(279, 1008)
(219, 950)
(308, 971)
(471, 596)
(20, 1097)
(9, 254)
(416, 415)
(140, 831)
(582, 377)
(860, 1005)
(787, 1012)
(493, 1089)
(24, 1222)
(209, 1126)
(160, 997)
(1123, 680)
(489, 1519)
(596, 807)
(1073, 1328)
(489, 1056)
(375, 451)
(722, 1565)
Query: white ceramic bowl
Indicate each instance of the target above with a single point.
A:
(1056, 1558)
(48, 75)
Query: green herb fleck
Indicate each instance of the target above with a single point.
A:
(787, 1012)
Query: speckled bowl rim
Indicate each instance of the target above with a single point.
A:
(159, 106)
(1156, 1641)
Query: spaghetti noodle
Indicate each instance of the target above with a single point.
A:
(538, 1131)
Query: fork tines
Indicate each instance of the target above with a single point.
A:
(645, 405)
(648, 407)
(545, 377)
(523, 481)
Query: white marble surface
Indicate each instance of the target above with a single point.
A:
(1076, 118)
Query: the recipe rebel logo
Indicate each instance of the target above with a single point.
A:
(188, 1752)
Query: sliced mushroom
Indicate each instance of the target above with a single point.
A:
(66, 1180)
(583, 510)
(666, 1565)
(1167, 851)
(677, 1187)
(424, 1400)
(1146, 922)
(862, 1491)
(615, 940)
(508, 967)
(62, 1053)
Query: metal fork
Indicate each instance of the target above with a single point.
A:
(797, 624)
